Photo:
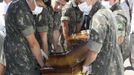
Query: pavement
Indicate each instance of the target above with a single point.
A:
(128, 69)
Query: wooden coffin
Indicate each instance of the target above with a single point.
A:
(66, 64)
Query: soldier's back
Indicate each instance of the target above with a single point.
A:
(109, 60)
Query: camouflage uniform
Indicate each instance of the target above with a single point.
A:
(126, 46)
(19, 24)
(72, 14)
(54, 23)
(54, 19)
(103, 41)
(2, 57)
(122, 25)
(42, 23)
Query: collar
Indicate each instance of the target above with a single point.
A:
(116, 7)
(95, 8)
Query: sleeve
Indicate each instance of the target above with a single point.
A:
(97, 34)
(25, 22)
(42, 21)
(79, 16)
(65, 14)
(121, 23)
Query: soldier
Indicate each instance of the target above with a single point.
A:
(104, 53)
(122, 31)
(42, 23)
(122, 27)
(126, 45)
(3, 8)
(128, 7)
(22, 51)
(71, 18)
(54, 22)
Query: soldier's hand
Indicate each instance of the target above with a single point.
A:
(68, 44)
(120, 40)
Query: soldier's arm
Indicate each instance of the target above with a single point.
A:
(44, 43)
(2, 68)
(78, 27)
(35, 48)
(121, 26)
(25, 26)
(42, 23)
(97, 36)
(64, 22)
(79, 20)
(65, 29)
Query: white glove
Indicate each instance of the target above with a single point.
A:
(87, 69)
(44, 54)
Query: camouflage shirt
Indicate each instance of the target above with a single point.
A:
(122, 25)
(126, 10)
(42, 21)
(103, 41)
(19, 24)
(71, 13)
(120, 19)
(53, 23)
(126, 46)
(54, 19)
(2, 56)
